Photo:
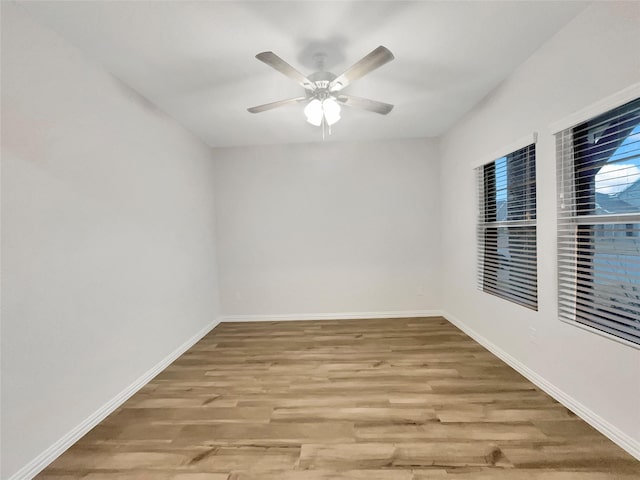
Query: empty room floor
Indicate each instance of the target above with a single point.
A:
(392, 399)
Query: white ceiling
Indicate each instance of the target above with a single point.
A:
(195, 60)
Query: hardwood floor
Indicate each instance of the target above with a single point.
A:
(392, 399)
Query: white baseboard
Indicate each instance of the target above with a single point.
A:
(331, 316)
(596, 421)
(39, 463)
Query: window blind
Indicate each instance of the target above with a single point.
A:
(599, 222)
(507, 260)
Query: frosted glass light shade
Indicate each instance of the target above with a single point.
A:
(313, 112)
(331, 111)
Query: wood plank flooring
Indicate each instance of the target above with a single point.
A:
(392, 399)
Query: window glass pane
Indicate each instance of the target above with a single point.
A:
(618, 180)
(510, 263)
(609, 259)
(521, 186)
(607, 162)
(500, 167)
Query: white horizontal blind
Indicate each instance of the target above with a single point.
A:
(599, 222)
(507, 261)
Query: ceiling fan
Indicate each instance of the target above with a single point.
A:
(323, 90)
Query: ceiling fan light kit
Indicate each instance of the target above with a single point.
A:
(323, 90)
(318, 111)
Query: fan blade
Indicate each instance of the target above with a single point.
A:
(365, 104)
(272, 105)
(274, 61)
(368, 63)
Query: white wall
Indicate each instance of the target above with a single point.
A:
(108, 229)
(593, 57)
(328, 228)
(108, 238)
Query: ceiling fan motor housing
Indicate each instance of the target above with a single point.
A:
(321, 80)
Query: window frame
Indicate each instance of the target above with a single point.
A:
(587, 225)
(520, 232)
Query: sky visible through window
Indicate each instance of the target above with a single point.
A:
(501, 178)
(623, 168)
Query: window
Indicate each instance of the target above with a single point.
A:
(599, 222)
(507, 227)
